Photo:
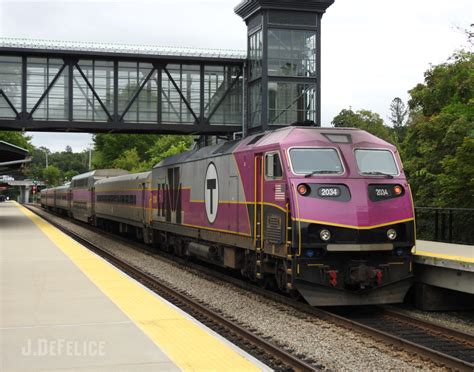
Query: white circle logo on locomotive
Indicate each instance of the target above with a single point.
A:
(211, 192)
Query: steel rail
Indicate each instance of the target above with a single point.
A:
(454, 334)
(272, 351)
(391, 339)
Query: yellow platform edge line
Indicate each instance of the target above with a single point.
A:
(189, 346)
(444, 256)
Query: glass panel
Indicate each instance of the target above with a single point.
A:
(188, 79)
(315, 161)
(6, 112)
(376, 162)
(100, 76)
(129, 78)
(10, 84)
(255, 93)
(291, 102)
(338, 138)
(284, 17)
(254, 22)
(255, 55)
(273, 166)
(40, 74)
(291, 52)
(225, 105)
(145, 107)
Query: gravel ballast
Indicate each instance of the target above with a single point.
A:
(327, 345)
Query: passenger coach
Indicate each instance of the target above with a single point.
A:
(83, 192)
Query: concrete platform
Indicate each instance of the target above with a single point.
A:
(453, 252)
(64, 308)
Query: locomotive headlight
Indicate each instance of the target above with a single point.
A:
(325, 235)
(391, 234)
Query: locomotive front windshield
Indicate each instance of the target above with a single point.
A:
(376, 162)
(310, 161)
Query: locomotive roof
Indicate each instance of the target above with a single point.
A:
(311, 136)
(100, 173)
(287, 137)
(125, 177)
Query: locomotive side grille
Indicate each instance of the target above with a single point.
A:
(274, 229)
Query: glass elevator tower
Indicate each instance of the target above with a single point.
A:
(284, 61)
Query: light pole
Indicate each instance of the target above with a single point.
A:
(90, 157)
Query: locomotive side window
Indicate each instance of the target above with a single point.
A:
(376, 162)
(311, 161)
(273, 169)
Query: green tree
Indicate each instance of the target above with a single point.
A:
(445, 84)
(19, 139)
(438, 145)
(129, 160)
(366, 120)
(398, 114)
(69, 174)
(109, 147)
(167, 146)
(67, 162)
(51, 176)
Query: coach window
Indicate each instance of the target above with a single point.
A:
(273, 169)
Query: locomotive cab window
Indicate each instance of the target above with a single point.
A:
(273, 169)
(376, 162)
(315, 161)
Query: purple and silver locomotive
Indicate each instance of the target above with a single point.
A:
(323, 212)
(320, 212)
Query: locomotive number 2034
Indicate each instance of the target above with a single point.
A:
(329, 191)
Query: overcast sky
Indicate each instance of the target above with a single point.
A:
(372, 50)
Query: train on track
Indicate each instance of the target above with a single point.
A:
(325, 213)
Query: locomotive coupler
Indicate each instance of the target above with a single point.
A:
(362, 276)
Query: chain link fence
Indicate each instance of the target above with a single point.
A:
(448, 225)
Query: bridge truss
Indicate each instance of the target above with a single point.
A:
(125, 89)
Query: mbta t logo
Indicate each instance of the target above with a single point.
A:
(211, 192)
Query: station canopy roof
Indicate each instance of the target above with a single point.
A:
(113, 48)
(12, 158)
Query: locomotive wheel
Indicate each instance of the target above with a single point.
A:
(281, 277)
(267, 282)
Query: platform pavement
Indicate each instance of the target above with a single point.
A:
(449, 251)
(63, 307)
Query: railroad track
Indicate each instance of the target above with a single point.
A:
(444, 346)
(447, 347)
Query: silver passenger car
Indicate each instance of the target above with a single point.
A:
(82, 190)
(126, 200)
(62, 198)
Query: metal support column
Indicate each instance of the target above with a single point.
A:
(24, 93)
(116, 92)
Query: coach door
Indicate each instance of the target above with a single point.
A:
(92, 210)
(144, 205)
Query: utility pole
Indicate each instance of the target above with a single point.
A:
(90, 158)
